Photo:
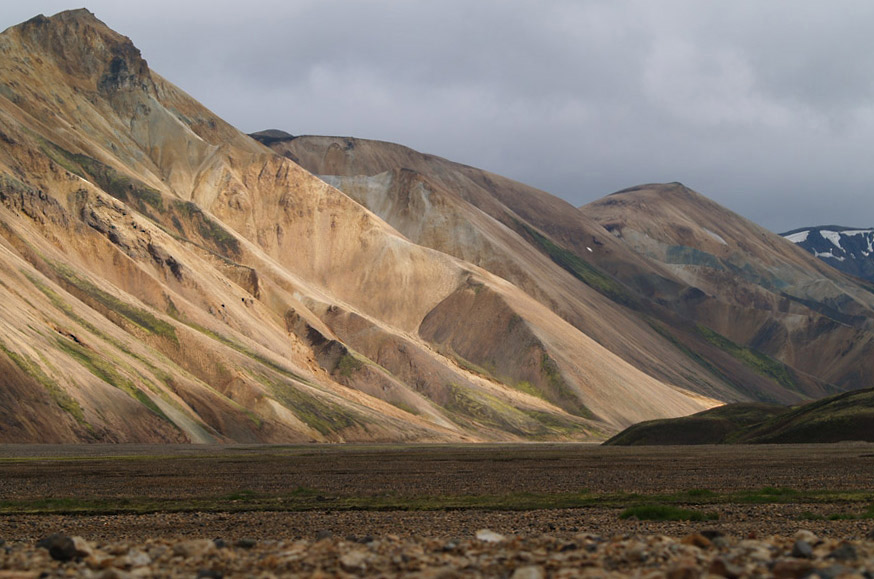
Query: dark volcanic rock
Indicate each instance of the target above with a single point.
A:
(850, 250)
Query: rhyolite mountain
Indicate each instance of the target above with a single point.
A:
(849, 249)
(692, 293)
(168, 278)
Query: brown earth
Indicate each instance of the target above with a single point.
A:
(759, 538)
(417, 472)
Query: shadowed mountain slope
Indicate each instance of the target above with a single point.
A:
(843, 417)
(167, 278)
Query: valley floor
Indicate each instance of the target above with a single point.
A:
(395, 510)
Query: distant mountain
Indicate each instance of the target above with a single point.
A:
(848, 249)
(843, 417)
(757, 293)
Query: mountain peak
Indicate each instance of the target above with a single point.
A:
(658, 188)
(82, 45)
(270, 136)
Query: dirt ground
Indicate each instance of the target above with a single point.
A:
(111, 472)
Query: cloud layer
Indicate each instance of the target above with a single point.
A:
(768, 108)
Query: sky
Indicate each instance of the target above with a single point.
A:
(765, 107)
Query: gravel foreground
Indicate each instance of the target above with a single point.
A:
(775, 539)
(747, 541)
(486, 554)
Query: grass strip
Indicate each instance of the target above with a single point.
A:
(642, 506)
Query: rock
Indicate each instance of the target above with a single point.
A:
(844, 552)
(791, 569)
(354, 561)
(529, 572)
(137, 558)
(725, 568)
(83, 547)
(869, 536)
(194, 548)
(805, 535)
(712, 533)
(697, 540)
(100, 560)
(219, 543)
(683, 572)
(637, 553)
(487, 536)
(209, 574)
(569, 546)
(833, 572)
(60, 547)
(245, 543)
(802, 550)
(324, 534)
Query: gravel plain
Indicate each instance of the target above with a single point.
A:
(781, 539)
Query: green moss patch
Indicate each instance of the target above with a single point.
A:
(105, 370)
(120, 186)
(760, 363)
(580, 269)
(324, 416)
(666, 513)
(349, 365)
(211, 232)
(88, 291)
(58, 394)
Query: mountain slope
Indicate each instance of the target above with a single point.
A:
(651, 310)
(167, 278)
(754, 291)
(528, 237)
(849, 249)
(843, 417)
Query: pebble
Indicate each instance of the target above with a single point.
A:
(802, 550)
(483, 553)
(530, 572)
(487, 536)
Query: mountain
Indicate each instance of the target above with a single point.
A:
(848, 249)
(724, 315)
(843, 417)
(168, 278)
(751, 292)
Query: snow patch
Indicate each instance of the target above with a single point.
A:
(715, 236)
(829, 255)
(857, 231)
(832, 236)
(589, 248)
(799, 237)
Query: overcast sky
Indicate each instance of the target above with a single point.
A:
(766, 107)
